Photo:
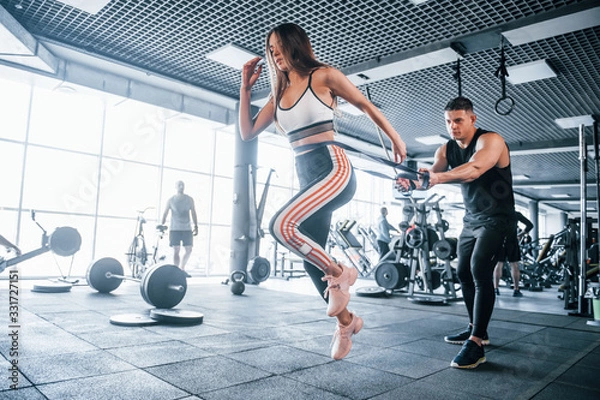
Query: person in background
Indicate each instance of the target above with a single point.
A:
(181, 232)
(511, 253)
(383, 233)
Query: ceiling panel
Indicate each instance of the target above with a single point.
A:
(172, 38)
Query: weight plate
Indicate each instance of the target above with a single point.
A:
(391, 276)
(52, 287)
(132, 320)
(430, 300)
(163, 286)
(96, 274)
(177, 316)
(260, 269)
(371, 291)
(65, 241)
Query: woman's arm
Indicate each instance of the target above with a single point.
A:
(252, 127)
(341, 86)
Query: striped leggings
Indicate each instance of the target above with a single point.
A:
(327, 182)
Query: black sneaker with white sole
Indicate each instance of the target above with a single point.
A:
(470, 356)
(461, 337)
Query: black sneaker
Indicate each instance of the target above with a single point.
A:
(517, 293)
(461, 337)
(497, 291)
(470, 356)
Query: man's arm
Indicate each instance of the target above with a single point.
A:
(525, 221)
(166, 213)
(194, 219)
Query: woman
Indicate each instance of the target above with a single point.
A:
(302, 103)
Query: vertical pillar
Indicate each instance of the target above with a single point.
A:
(564, 219)
(245, 154)
(534, 216)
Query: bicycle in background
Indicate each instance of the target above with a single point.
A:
(138, 258)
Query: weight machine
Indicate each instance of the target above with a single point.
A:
(64, 241)
(410, 262)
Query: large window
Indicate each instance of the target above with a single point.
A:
(93, 161)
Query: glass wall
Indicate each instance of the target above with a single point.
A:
(95, 161)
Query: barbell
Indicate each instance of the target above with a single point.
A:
(162, 285)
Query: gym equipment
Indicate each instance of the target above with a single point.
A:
(64, 241)
(176, 316)
(138, 257)
(371, 291)
(343, 237)
(259, 267)
(502, 73)
(237, 285)
(162, 285)
(132, 319)
(410, 264)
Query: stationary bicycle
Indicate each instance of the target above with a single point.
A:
(138, 258)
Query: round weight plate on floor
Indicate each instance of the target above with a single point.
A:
(132, 320)
(390, 276)
(177, 316)
(432, 301)
(52, 287)
(163, 286)
(371, 291)
(96, 274)
(260, 269)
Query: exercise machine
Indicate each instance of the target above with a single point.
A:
(65, 241)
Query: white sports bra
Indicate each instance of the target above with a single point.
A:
(308, 116)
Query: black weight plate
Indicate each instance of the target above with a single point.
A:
(157, 285)
(177, 316)
(52, 287)
(132, 320)
(96, 274)
(260, 269)
(387, 275)
(371, 291)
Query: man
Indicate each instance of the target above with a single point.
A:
(383, 233)
(180, 233)
(511, 252)
(480, 161)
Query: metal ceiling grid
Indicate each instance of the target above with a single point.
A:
(172, 38)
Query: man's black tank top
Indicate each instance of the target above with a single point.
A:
(489, 198)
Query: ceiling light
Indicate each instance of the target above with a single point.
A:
(89, 6)
(554, 27)
(521, 177)
(400, 64)
(431, 140)
(417, 2)
(560, 195)
(575, 122)
(531, 71)
(231, 55)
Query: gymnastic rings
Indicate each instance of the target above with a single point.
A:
(65, 241)
(504, 105)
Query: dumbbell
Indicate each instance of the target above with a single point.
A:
(162, 285)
